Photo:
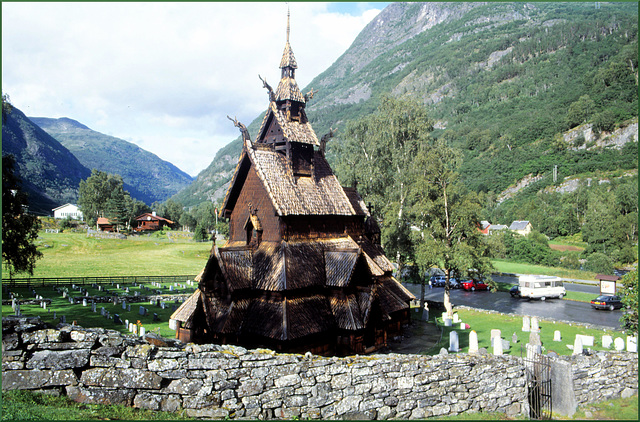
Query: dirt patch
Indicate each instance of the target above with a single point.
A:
(563, 248)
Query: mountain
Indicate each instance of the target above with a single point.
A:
(50, 173)
(503, 81)
(146, 177)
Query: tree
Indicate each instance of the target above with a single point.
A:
(116, 208)
(447, 217)
(95, 192)
(580, 111)
(599, 263)
(19, 229)
(376, 153)
(629, 297)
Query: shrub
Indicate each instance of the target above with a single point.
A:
(599, 263)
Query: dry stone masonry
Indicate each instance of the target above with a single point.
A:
(96, 365)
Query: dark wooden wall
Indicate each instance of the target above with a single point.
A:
(254, 192)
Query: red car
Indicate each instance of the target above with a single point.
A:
(474, 285)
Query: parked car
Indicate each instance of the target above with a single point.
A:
(438, 281)
(607, 302)
(454, 283)
(515, 291)
(474, 285)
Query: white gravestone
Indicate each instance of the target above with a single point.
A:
(607, 341)
(586, 340)
(618, 343)
(84, 302)
(632, 344)
(535, 327)
(577, 345)
(124, 305)
(497, 346)
(495, 333)
(526, 324)
(473, 342)
(456, 318)
(453, 341)
(448, 322)
(557, 336)
(142, 331)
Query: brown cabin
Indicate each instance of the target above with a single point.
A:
(103, 224)
(303, 269)
(150, 221)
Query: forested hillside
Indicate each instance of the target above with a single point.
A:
(146, 177)
(502, 81)
(50, 173)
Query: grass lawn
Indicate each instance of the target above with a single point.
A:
(76, 254)
(504, 266)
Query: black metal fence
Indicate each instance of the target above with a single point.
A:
(538, 371)
(56, 281)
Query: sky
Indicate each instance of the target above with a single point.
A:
(165, 75)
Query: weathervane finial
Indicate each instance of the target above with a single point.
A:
(288, 22)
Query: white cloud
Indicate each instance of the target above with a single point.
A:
(165, 75)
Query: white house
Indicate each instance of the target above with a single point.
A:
(522, 227)
(67, 210)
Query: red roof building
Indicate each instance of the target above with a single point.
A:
(150, 221)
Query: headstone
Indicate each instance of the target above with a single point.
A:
(63, 319)
(532, 350)
(151, 302)
(116, 319)
(448, 322)
(497, 346)
(534, 338)
(71, 300)
(118, 286)
(54, 315)
(142, 331)
(505, 344)
(534, 324)
(526, 327)
(443, 352)
(141, 310)
(456, 318)
(162, 305)
(102, 311)
(13, 304)
(607, 341)
(632, 344)
(577, 345)
(99, 288)
(557, 336)
(93, 306)
(84, 302)
(44, 305)
(586, 340)
(64, 294)
(473, 342)
(463, 326)
(170, 288)
(136, 293)
(126, 290)
(115, 300)
(495, 333)
(514, 338)
(86, 294)
(425, 313)
(453, 341)
(618, 343)
(155, 317)
(134, 329)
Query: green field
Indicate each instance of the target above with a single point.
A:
(78, 255)
(505, 266)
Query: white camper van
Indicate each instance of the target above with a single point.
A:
(541, 287)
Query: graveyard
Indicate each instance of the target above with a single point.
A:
(132, 308)
(140, 308)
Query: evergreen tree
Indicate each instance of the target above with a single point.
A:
(95, 192)
(19, 229)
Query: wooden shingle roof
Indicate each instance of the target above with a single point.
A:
(320, 194)
(293, 130)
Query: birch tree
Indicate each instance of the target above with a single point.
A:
(375, 153)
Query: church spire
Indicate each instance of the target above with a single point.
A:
(288, 88)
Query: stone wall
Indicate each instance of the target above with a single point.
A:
(211, 381)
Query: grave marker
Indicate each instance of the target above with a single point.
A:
(632, 344)
(607, 341)
(534, 324)
(473, 342)
(618, 343)
(557, 336)
(497, 346)
(453, 341)
(526, 324)
(514, 338)
(577, 345)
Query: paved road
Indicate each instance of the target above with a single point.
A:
(556, 309)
